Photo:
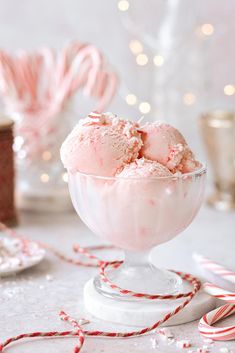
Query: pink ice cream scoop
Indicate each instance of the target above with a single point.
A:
(140, 201)
(144, 168)
(166, 145)
(101, 144)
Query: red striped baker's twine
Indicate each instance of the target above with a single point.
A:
(79, 332)
(82, 250)
(115, 264)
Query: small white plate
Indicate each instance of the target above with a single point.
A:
(18, 254)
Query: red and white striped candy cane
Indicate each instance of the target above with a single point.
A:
(108, 91)
(217, 333)
(205, 325)
(219, 292)
(214, 267)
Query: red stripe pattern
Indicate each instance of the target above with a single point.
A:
(215, 268)
(78, 331)
(206, 323)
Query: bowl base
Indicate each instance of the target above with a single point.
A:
(141, 279)
(144, 313)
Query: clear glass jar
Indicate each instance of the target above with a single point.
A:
(41, 182)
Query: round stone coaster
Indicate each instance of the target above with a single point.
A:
(145, 313)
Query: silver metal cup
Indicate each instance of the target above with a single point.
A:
(218, 132)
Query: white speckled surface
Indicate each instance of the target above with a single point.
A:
(31, 300)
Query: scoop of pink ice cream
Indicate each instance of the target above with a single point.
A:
(165, 144)
(101, 144)
(144, 168)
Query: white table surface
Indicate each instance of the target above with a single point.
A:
(30, 302)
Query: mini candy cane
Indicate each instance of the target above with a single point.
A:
(217, 333)
(207, 320)
(39, 84)
(205, 325)
(219, 293)
(214, 267)
(108, 91)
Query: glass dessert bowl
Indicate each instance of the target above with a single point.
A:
(137, 214)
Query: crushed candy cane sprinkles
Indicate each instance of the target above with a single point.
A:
(165, 332)
(79, 333)
(203, 350)
(183, 344)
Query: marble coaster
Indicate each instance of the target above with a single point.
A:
(145, 313)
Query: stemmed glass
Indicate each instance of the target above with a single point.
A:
(137, 214)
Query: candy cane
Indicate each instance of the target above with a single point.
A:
(88, 53)
(214, 267)
(217, 333)
(219, 292)
(27, 77)
(108, 92)
(48, 76)
(78, 65)
(205, 324)
(8, 75)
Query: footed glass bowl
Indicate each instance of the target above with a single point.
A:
(137, 214)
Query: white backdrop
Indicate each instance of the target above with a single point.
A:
(32, 23)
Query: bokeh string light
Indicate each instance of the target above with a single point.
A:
(44, 178)
(158, 60)
(135, 46)
(207, 29)
(46, 155)
(229, 90)
(144, 107)
(131, 99)
(123, 5)
(189, 98)
(65, 177)
(142, 58)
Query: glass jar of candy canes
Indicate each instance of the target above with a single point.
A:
(41, 179)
